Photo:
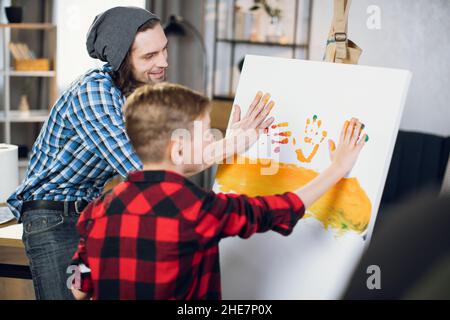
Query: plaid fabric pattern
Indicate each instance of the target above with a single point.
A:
(81, 145)
(156, 235)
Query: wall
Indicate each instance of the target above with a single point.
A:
(414, 36)
(185, 53)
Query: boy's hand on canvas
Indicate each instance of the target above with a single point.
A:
(248, 128)
(243, 132)
(256, 116)
(343, 159)
(350, 145)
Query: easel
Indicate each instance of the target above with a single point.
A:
(339, 48)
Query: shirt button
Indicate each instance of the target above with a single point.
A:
(19, 197)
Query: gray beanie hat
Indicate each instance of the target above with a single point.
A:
(112, 33)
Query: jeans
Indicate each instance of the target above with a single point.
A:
(50, 238)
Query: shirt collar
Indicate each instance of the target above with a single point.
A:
(156, 176)
(107, 68)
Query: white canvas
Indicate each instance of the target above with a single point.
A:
(316, 260)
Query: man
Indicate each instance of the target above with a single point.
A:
(84, 143)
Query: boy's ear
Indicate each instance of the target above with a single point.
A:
(176, 151)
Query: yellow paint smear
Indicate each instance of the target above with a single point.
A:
(344, 207)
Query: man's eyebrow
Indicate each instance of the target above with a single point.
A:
(155, 52)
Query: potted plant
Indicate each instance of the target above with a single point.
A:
(14, 12)
(274, 13)
(274, 32)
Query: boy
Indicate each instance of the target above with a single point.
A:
(156, 235)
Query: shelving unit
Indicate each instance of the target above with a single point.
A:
(233, 43)
(39, 110)
(32, 116)
(29, 26)
(13, 73)
(260, 43)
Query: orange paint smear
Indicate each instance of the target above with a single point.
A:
(282, 124)
(332, 145)
(344, 207)
(346, 124)
(302, 158)
(284, 134)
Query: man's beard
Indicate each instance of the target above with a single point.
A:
(137, 83)
(150, 80)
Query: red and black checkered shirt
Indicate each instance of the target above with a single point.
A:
(156, 235)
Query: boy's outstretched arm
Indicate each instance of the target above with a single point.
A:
(343, 160)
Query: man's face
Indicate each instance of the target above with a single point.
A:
(149, 55)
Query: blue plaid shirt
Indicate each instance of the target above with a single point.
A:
(81, 146)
